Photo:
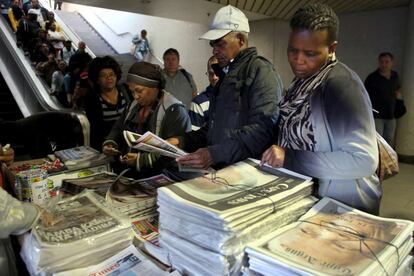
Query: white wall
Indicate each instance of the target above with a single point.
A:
(198, 11)
(118, 28)
(271, 37)
(362, 37)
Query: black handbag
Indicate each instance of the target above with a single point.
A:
(400, 108)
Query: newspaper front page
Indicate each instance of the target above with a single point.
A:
(333, 238)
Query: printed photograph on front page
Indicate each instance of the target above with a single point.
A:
(335, 242)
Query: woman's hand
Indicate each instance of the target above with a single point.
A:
(274, 156)
(6, 154)
(110, 150)
(130, 159)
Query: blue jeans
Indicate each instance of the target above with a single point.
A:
(386, 128)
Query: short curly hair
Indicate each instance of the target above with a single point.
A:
(100, 63)
(317, 17)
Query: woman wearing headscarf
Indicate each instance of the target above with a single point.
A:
(153, 109)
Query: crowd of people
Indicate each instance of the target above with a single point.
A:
(322, 126)
(242, 112)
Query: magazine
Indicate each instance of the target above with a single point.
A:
(80, 157)
(146, 230)
(333, 238)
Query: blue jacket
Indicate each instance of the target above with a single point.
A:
(346, 150)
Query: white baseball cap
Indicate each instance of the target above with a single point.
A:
(32, 11)
(226, 20)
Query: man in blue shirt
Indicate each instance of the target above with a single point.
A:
(198, 112)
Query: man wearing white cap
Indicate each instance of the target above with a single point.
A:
(243, 110)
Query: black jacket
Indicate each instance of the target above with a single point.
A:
(243, 111)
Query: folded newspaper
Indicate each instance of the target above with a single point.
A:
(72, 229)
(334, 239)
(150, 142)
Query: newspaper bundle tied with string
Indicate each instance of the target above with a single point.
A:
(206, 222)
(335, 239)
(70, 231)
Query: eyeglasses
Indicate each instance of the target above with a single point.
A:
(210, 73)
(105, 76)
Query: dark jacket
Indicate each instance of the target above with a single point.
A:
(93, 108)
(243, 111)
(382, 93)
(175, 122)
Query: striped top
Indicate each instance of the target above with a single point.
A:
(199, 110)
(111, 112)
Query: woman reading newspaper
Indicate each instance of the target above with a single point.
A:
(326, 127)
(153, 109)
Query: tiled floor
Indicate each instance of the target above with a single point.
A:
(398, 196)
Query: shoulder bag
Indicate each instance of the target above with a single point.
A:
(388, 160)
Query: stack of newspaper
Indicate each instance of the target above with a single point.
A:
(335, 239)
(99, 183)
(72, 231)
(206, 222)
(136, 198)
(128, 262)
(82, 157)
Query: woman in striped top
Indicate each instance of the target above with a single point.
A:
(107, 99)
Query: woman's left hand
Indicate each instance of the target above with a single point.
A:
(274, 156)
(130, 159)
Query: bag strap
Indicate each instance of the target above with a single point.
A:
(244, 82)
(187, 76)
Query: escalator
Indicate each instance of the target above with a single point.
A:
(22, 92)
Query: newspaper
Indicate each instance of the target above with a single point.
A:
(75, 219)
(72, 229)
(241, 186)
(232, 241)
(136, 198)
(206, 222)
(99, 183)
(128, 262)
(333, 238)
(152, 143)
